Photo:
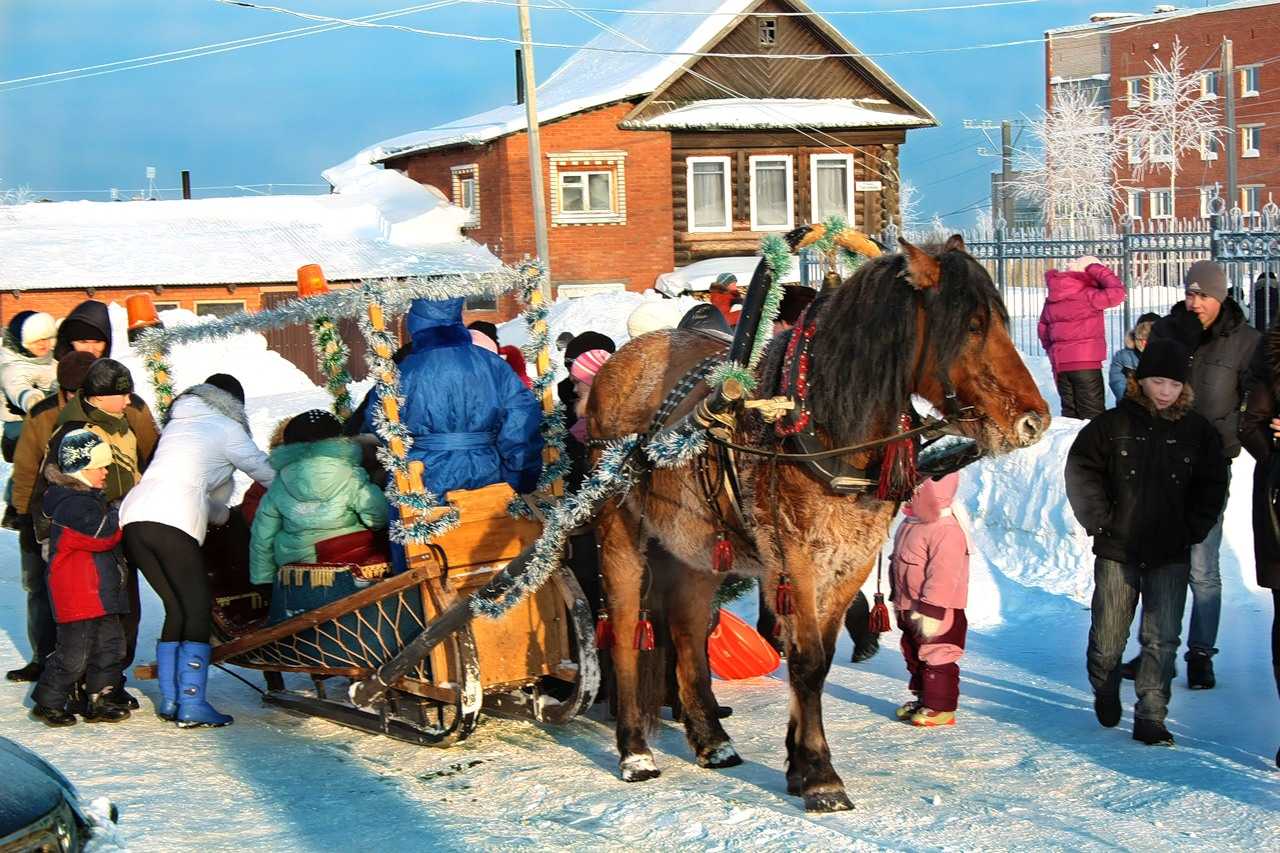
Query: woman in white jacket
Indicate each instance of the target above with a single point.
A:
(185, 488)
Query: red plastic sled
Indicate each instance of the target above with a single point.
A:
(735, 650)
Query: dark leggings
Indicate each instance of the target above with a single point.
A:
(173, 564)
(1275, 635)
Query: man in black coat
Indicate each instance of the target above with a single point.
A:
(1213, 326)
(1148, 481)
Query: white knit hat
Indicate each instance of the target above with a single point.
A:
(38, 327)
(653, 315)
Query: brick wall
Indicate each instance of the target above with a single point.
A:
(60, 302)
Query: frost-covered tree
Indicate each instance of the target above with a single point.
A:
(17, 195)
(1070, 170)
(909, 205)
(1172, 120)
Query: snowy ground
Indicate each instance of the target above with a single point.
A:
(1027, 767)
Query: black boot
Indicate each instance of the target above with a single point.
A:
(1106, 706)
(120, 697)
(10, 520)
(1200, 671)
(30, 672)
(54, 718)
(101, 710)
(1151, 732)
(857, 621)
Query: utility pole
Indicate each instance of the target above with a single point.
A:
(1232, 144)
(535, 147)
(1006, 171)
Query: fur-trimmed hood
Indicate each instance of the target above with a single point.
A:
(1175, 412)
(54, 477)
(204, 396)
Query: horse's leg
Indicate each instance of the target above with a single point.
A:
(688, 606)
(623, 569)
(811, 644)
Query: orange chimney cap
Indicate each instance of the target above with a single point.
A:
(311, 281)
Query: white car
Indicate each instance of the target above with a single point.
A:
(698, 277)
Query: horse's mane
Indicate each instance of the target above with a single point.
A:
(861, 369)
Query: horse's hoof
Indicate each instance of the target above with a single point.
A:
(639, 767)
(795, 787)
(827, 801)
(722, 756)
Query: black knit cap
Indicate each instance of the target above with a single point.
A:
(313, 425)
(72, 369)
(106, 377)
(1148, 317)
(485, 328)
(227, 383)
(1165, 358)
(588, 341)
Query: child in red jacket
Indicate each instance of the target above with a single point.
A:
(930, 573)
(87, 584)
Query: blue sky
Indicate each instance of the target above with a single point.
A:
(283, 112)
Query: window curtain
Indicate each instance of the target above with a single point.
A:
(708, 196)
(831, 192)
(771, 194)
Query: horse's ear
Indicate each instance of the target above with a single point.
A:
(955, 243)
(922, 268)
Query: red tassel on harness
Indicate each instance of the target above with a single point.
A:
(722, 554)
(878, 622)
(784, 602)
(604, 631)
(644, 633)
(898, 467)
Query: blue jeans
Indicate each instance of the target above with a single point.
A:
(1117, 588)
(1206, 590)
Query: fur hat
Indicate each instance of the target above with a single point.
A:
(1165, 358)
(483, 341)
(653, 315)
(1207, 279)
(81, 450)
(313, 425)
(106, 377)
(485, 328)
(586, 366)
(587, 341)
(38, 327)
(227, 382)
(72, 369)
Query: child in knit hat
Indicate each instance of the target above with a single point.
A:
(27, 370)
(87, 577)
(583, 372)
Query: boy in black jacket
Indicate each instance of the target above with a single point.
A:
(1147, 480)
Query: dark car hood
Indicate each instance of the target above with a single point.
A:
(31, 787)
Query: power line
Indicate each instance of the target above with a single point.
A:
(831, 13)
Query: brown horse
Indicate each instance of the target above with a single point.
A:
(910, 323)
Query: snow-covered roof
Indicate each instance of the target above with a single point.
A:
(376, 224)
(1122, 20)
(593, 77)
(783, 112)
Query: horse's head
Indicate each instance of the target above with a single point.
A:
(929, 323)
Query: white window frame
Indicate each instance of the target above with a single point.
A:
(1152, 195)
(200, 303)
(1133, 89)
(1152, 96)
(1245, 72)
(814, 160)
(459, 175)
(728, 195)
(1156, 156)
(1255, 210)
(588, 162)
(588, 215)
(1250, 133)
(1133, 148)
(1134, 200)
(1207, 143)
(1205, 77)
(791, 191)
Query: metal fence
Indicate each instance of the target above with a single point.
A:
(1151, 258)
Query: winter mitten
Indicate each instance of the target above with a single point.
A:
(167, 675)
(193, 679)
(928, 627)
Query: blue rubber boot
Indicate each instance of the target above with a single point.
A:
(167, 675)
(193, 677)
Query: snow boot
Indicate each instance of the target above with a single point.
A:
(10, 520)
(1151, 732)
(121, 698)
(54, 718)
(1129, 671)
(927, 719)
(167, 675)
(1106, 706)
(906, 710)
(30, 672)
(102, 710)
(1200, 671)
(193, 678)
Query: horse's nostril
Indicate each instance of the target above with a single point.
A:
(1029, 427)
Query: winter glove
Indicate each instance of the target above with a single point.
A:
(927, 619)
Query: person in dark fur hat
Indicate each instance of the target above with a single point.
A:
(86, 329)
(1147, 480)
(484, 327)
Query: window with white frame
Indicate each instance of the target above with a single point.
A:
(831, 184)
(1209, 84)
(1133, 145)
(1134, 206)
(768, 32)
(1160, 88)
(588, 188)
(710, 200)
(1206, 201)
(1251, 198)
(771, 188)
(1161, 204)
(1133, 91)
(1162, 147)
(1249, 87)
(1250, 140)
(1209, 147)
(466, 191)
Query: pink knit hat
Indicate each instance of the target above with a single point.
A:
(586, 366)
(483, 341)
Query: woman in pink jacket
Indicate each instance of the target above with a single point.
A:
(930, 572)
(1073, 332)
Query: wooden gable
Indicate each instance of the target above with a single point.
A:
(709, 78)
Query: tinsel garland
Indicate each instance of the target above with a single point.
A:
(332, 355)
(421, 529)
(554, 427)
(157, 364)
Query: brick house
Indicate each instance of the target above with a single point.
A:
(656, 160)
(1108, 56)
